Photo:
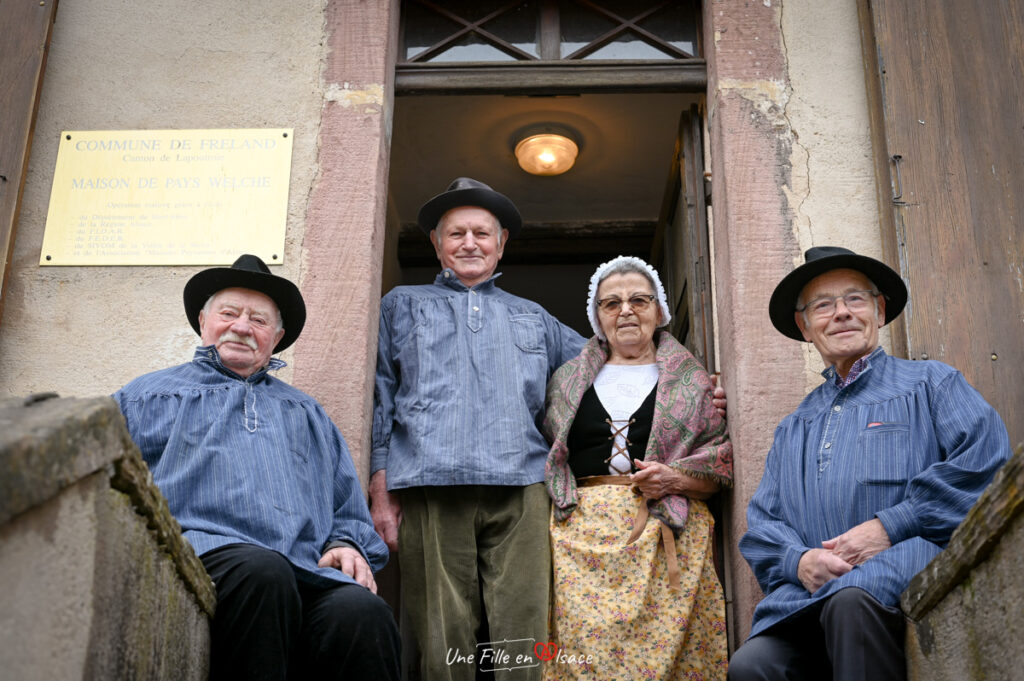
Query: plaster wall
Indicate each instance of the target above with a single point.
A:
(791, 168)
(833, 184)
(120, 65)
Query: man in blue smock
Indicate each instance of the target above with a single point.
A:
(458, 457)
(264, 489)
(864, 484)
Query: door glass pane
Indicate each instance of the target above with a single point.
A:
(423, 28)
(600, 27)
(580, 26)
(676, 24)
(518, 27)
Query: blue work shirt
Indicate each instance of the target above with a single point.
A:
(909, 443)
(249, 460)
(461, 378)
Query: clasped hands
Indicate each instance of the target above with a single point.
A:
(840, 554)
(654, 480)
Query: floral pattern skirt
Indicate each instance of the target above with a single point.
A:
(613, 615)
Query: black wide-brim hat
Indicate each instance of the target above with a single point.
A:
(821, 259)
(465, 191)
(252, 273)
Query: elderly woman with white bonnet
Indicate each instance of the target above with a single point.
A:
(637, 445)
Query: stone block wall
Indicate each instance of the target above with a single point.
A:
(96, 581)
(966, 609)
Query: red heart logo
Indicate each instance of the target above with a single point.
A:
(545, 651)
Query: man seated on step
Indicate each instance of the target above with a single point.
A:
(864, 484)
(264, 489)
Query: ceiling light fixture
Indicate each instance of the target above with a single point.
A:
(546, 153)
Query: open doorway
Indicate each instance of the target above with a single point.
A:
(626, 77)
(636, 189)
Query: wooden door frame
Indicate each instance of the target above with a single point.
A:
(24, 46)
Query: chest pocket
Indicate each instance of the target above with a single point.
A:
(527, 332)
(884, 454)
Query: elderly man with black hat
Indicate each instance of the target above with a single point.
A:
(864, 484)
(458, 456)
(264, 489)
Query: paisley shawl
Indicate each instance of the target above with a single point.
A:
(687, 433)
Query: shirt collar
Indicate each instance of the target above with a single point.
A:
(856, 370)
(447, 277)
(207, 354)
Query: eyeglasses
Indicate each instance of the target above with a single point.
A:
(855, 301)
(637, 303)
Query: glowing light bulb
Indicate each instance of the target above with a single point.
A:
(546, 154)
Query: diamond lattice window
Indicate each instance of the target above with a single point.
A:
(470, 31)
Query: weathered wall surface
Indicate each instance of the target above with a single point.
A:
(965, 607)
(98, 582)
(790, 160)
(176, 64)
(833, 191)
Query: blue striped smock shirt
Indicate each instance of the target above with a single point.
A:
(461, 378)
(252, 461)
(911, 443)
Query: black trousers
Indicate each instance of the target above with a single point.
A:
(269, 625)
(849, 636)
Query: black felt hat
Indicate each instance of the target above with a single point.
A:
(252, 273)
(821, 259)
(465, 191)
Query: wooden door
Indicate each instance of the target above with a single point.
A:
(948, 81)
(24, 41)
(680, 249)
(681, 254)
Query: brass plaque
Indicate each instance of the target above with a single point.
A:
(168, 197)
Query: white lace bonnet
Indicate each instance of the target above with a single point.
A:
(612, 267)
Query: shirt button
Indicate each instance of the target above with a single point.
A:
(828, 445)
(473, 292)
(447, 275)
(837, 408)
(476, 309)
